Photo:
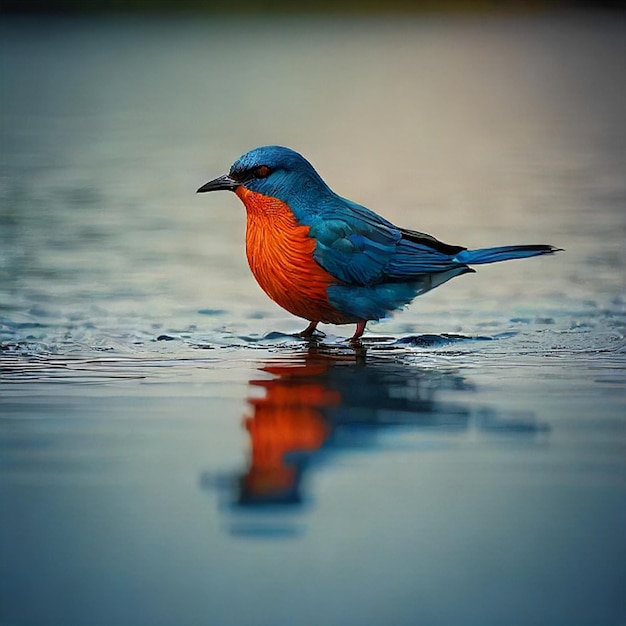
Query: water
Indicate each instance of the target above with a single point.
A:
(171, 454)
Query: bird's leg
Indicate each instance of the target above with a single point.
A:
(360, 327)
(308, 331)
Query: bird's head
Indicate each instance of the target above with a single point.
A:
(269, 170)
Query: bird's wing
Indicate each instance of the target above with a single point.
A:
(357, 246)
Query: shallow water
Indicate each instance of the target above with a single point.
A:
(171, 454)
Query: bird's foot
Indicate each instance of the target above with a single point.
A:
(356, 338)
(310, 332)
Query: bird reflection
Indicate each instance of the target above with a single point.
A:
(287, 424)
(316, 405)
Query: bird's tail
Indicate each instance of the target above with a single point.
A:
(503, 253)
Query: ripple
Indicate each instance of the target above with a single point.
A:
(445, 339)
(272, 337)
(212, 312)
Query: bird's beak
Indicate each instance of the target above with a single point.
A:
(222, 183)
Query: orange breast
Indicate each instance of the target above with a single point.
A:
(280, 255)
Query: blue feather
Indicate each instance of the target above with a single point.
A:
(503, 253)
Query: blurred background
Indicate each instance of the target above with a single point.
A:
(280, 6)
(480, 127)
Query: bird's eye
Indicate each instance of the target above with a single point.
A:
(261, 172)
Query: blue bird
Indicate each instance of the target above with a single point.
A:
(327, 259)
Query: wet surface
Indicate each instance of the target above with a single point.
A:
(170, 453)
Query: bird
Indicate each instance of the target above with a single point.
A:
(329, 260)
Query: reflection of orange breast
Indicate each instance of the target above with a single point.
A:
(287, 420)
(280, 255)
